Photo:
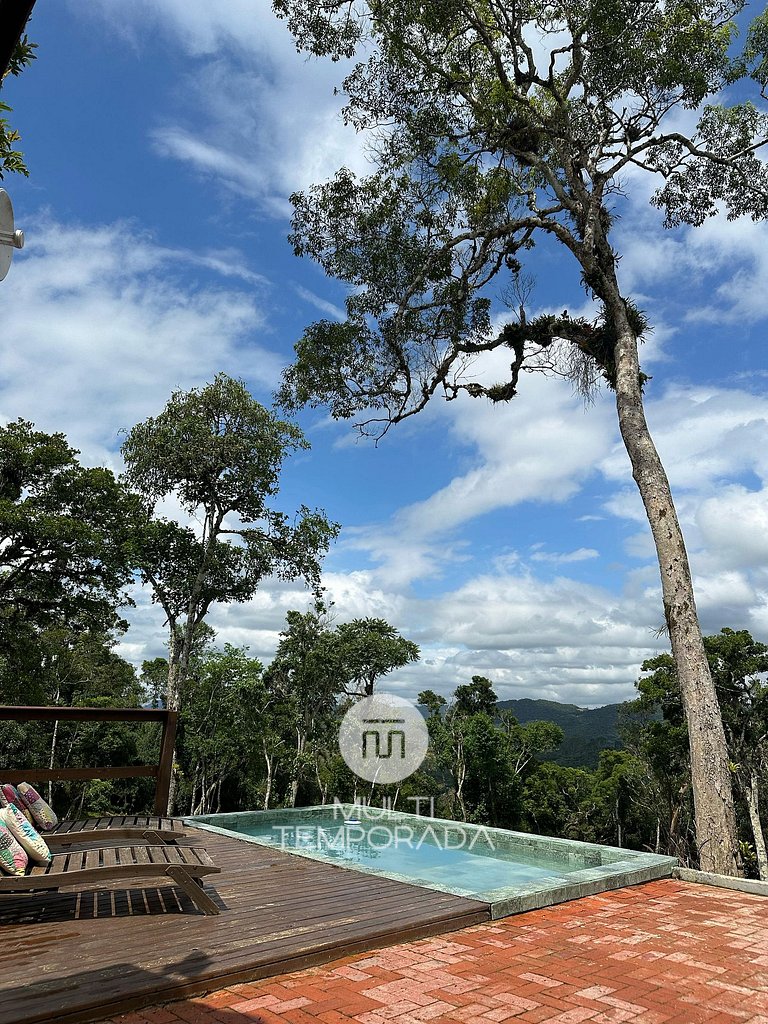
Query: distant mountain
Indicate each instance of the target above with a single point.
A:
(587, 730)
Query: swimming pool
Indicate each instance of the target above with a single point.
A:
(512, 871)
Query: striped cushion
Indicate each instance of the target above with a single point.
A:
(35, 847)
(13, 859)
(42, 815)
(10, 795)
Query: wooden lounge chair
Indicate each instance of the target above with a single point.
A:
(183, 865)
(104, 830)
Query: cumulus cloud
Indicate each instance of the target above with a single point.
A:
(533, 635)
(560, 639)
(541, 447)
(108, 309)
(734, 526)
(704, 433)
(714, 274)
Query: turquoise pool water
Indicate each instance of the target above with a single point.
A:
(510, 871)
(466, 861)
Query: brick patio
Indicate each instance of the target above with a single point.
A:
(663, 953)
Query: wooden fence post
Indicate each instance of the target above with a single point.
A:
(165, 767)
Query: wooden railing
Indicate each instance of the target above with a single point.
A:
(161, 772)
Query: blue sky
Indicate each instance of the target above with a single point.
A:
(163, 138)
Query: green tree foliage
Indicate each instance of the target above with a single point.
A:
(314, 669)
(555, 799)
(528, 741)
(252, 737)
(63, 545)
(11, 158)
(617, 805)
(305, 675)
(64, 553)
(83, 670)
(366, 650)
(486, 755)
(226, 712)
(475, 698)
(654, 728)
(219, 454)
(739, 664)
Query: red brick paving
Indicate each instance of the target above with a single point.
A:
(662, 953)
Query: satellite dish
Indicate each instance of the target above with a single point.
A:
(9, 238)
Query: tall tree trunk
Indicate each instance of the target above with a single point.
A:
(301, 740)
(269, 758)
(710, 772)
(172, 702)
(752, 794)
(461, 774)
(81, 803)
(323, 787)
(678, 840)
(195, 786)
(54, 739)
(210, 790)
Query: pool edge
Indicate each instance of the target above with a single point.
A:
(633, 867)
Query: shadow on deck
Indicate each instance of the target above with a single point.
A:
(85, 955)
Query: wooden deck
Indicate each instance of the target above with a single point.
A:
(85, 955)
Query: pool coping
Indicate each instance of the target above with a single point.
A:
(617, 867)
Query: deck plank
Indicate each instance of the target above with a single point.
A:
(97, 952)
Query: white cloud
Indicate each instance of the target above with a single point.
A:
(734, 526)
(322, 304)
(238, 172)
(100, 328)
(554, 638)
(558, 558)
(704, 434)
(558, 640)
(726, 596)
(203, 28)
(713, 274)
(258, 116)
(737, 251)
(541, 447)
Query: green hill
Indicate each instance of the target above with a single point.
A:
(587, 730)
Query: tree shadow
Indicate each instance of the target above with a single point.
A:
(86, 992)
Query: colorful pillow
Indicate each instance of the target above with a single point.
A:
(35, 847)
(42, 815)
(13, 859)
(10, 795)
